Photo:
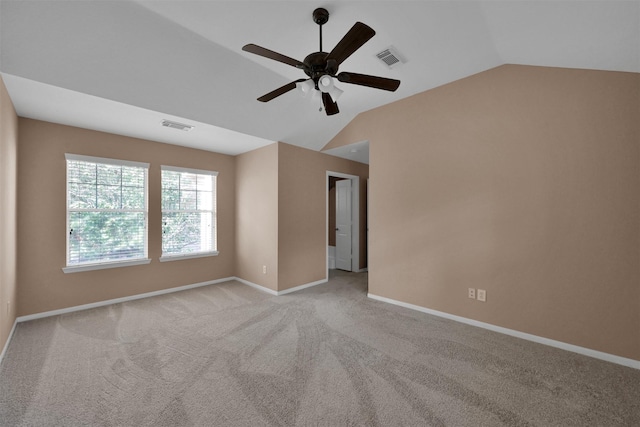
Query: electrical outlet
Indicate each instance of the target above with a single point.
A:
(482, 295)
(8, 307)
(472, 293)
(264, 269)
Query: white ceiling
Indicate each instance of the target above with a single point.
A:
(122, 66)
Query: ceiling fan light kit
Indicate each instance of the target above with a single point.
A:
(325, 83)
(305, 87)
(335, 93)
(322, 67)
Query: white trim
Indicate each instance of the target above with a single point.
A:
(178, 257)
(145, 210)
(157, 293)
(44, 314)
(256, 286)
(118, 162)
(523, 335)
(355, 217)
(529, 337)
(119, 300)
(188, 170)
(301, 287)
(103, 265)
(6, 344)
(284, 292)
(213, 231)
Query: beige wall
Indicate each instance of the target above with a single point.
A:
(302, 192)
(42, 286)
(524, 181)
(257, 216)
(257, 225)
(8, 212)
(281, 214)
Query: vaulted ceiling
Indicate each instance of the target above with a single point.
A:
(123, 66)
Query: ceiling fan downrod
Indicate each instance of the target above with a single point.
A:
(320, 17)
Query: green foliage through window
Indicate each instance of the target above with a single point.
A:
(188, 211)
(106, 211)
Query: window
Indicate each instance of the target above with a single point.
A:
(106, 213)
(188, 213)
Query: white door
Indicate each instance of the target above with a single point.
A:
(343, 224)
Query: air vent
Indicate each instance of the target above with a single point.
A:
(176, 125)
(391, 57)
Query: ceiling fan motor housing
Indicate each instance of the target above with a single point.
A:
(316, 66)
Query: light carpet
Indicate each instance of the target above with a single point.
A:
(230, 355)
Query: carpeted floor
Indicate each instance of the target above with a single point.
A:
(229, 355)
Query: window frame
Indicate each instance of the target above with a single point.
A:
(214, 212)
(73, 268)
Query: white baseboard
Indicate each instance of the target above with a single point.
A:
(278, 293)
(119, 300)
(301, 287)
(256, 286)
(6, 344)
(146, 295)
(529, 337)
(160, 292)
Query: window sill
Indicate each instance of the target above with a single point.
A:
(166, 258)
(102, 266)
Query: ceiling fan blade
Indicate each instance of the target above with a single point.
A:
(258, 50)
(370, 81)
(281, 90)
(330, 107)
(358, 35)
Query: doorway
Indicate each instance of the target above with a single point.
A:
(347, 237)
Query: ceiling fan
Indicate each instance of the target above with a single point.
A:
(322, 67)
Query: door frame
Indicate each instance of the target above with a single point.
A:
(355, 219)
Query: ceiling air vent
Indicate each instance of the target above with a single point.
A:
(176, 125)
(391, 57)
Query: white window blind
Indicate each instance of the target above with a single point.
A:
(106, 210)
(188, 211)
